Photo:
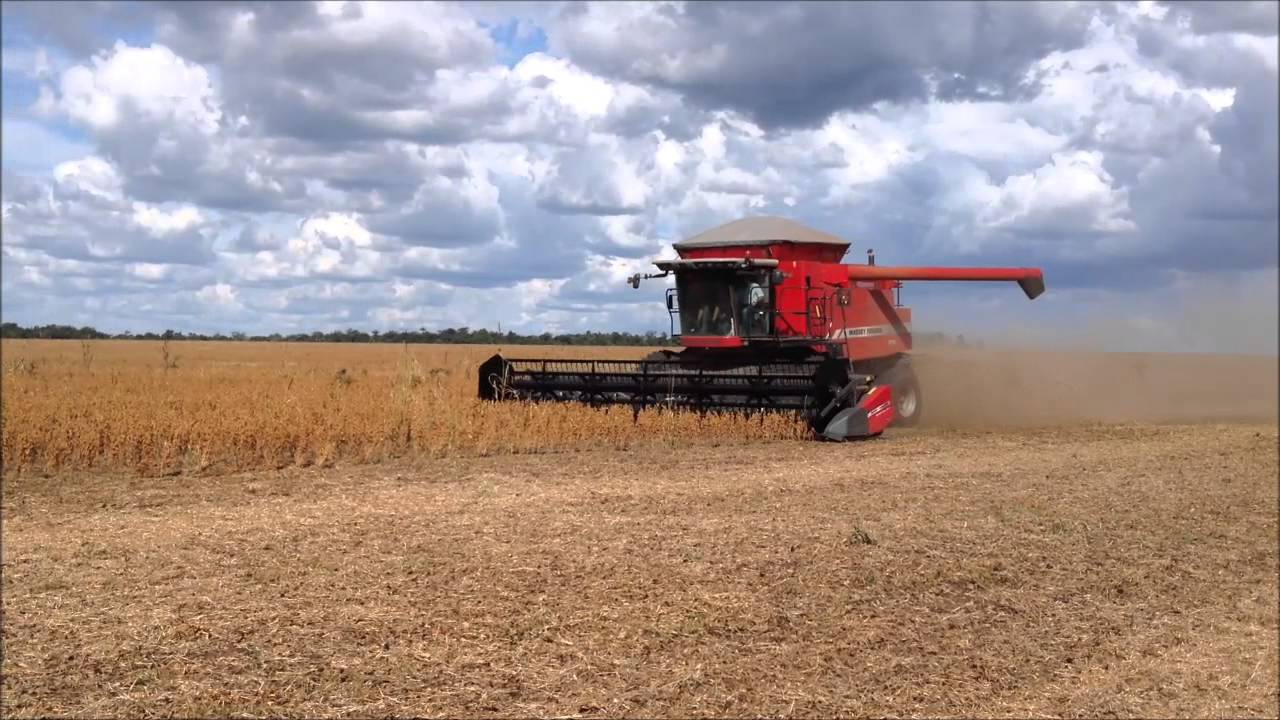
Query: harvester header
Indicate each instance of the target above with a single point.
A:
(769, 319)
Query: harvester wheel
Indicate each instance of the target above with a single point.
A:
(906, 394)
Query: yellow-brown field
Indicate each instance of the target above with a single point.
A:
(1067, 535)
(152, 408)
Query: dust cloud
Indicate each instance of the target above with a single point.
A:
(993, 388)
(1205, 351)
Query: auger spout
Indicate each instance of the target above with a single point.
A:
(1031, 280)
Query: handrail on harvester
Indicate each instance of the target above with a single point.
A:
(1031, 280)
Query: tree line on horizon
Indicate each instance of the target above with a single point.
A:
(449, 336)
(452, 336)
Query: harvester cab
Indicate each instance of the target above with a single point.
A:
(769, 320)
(721, 298)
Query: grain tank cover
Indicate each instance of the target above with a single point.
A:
(764, 236)
(762, 230)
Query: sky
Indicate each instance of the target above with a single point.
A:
(285, 167)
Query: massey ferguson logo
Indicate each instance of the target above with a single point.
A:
(867, 331)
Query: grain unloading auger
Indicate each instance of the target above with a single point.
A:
(769, 320)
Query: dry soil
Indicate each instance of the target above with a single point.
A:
(1080, 570)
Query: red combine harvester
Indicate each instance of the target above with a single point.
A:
(770, 320)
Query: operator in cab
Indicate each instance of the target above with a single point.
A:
(755, 310)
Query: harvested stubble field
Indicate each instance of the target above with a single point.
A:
(1115, 556)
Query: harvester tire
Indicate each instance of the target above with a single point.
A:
(906, 394)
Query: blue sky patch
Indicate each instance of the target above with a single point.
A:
(517, 38)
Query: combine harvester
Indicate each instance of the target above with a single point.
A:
(770, 320)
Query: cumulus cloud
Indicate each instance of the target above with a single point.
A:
(1256, 17)
(83, 215)
(795, 64)
(1072, 191)
(327, 245)
(160, 120)
(591, 181)
(153, 82)
(445, 212)
(290, 166)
